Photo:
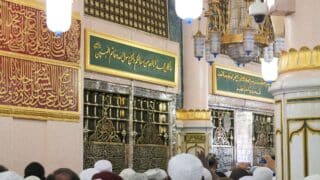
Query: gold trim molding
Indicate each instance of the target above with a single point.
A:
(297, 60)
(193, 114)
(238, 38)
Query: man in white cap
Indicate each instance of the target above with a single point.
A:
(156, 174)
(263, 173)
(185, 167)
(10, 175)
(103, 165)
(313, 177)
(126, 173)
(138, 176)
(87, 174)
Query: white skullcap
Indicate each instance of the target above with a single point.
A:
(206, 174)
(10, 175)
(32, 178)
(103, 165)
(313, 177)
(126, 173)
(228, 173)
(247, 178)
(138, 176)
(88, 173)
(156, 174)
(185, 167)
(262, 173)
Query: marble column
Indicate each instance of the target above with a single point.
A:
(297, 95)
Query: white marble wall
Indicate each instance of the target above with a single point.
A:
(297, 123)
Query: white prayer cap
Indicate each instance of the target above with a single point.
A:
(138, 176)
(103, 165)
(206, 174)
(247, 178)
(185, 167)
(10, 175)
(32, 178)
(262, 173)
(313, 177)
(126, 173)
(156, 174)
(88, 173)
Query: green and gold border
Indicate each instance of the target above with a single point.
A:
(236, 95)
(113, 72)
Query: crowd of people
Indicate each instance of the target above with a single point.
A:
(180, 167)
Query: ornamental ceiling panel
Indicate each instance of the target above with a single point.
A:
(147, 15)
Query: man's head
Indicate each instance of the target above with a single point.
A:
(35, 169)
(185, 167)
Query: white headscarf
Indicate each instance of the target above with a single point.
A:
(10, 175)
(103, 165)
(156, 174)
(185, 167)
(32, 178)
(313, 177)
(206, 174)
(88, 173)
(126, 173)
(262, 173)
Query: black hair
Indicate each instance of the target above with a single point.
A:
(3, 169)
(35, 169)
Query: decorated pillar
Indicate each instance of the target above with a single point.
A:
(194, 127)
(297, 96)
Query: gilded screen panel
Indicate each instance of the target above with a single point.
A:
(147, 15)
(23, 30)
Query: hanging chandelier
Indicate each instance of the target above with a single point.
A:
(59, 15)
(232, 31)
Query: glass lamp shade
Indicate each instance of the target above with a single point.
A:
(209, 57)
(189, 9)
(199, 45)
(59, 15)
(269, 70)
(248, 40)
(278, 46)
(268, 53)
(215, 42)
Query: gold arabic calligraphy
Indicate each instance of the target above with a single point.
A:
(38, 85)
(134, 60)
(249, 85)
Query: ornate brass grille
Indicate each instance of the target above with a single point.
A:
(106, 111)
(263, 130)
(147, 15)
(223, 137)
(223, 121)
(150, 121)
